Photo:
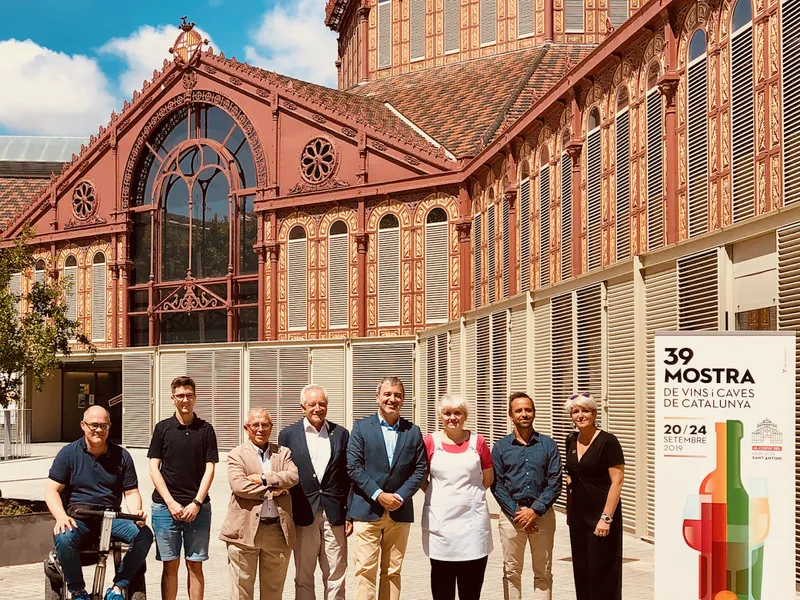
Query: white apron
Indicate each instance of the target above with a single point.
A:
(455, 516)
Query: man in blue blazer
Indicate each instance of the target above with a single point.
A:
(387, 462)
(319, 503)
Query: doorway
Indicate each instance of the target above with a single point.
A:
(83, 386)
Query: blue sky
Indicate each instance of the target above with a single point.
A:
(69, 63)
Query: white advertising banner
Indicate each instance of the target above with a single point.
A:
(725, 465)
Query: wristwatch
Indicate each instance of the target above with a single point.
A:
(263, 480)
(199, 504)
(606, 519)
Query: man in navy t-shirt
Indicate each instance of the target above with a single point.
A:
(95, 473)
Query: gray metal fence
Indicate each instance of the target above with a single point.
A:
(15, 433)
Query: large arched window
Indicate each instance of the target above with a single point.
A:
(566, 209)
(790, 63)
(39, 271)
(99, 300)
(742, 122)
(524, 228)
(623, 175)
(71, 283)
(655, 162)
(544, 218)
(491, 253)
(389, 271)
(505, 256)
(436, 279)
(192, 200)
(594, 165)
(477, 258)
(697, 114)
(338, 287)
(296, 273)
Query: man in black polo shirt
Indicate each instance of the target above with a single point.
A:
(183, 452)
(93, 472)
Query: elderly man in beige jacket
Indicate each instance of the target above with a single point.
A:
(258, 529)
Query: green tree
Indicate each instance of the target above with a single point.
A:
(32, 341)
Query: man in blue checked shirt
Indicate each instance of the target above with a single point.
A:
(387, 462)
(527, 482)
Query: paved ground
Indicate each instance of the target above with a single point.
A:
(25, 479)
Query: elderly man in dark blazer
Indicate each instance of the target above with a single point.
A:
(319, 503)
(387, 461)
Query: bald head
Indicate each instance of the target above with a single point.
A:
(96, 414)
(96, 424)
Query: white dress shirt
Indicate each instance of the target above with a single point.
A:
(319, 447)
(268, 509)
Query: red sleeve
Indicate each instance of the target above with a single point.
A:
(429, 446)
(484, 453)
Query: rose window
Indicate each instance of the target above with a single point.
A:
(84, 200)
(318, 160)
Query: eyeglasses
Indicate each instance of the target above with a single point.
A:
(98, 426)
(183, 396)
(257, 426)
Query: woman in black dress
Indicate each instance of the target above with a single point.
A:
(595, 469)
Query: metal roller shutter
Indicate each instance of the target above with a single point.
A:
(655, 167)
(15, 287)
(39, 276)
(263, 368)
(483, 373)
(589, 342)
(491, 255)
(328, 370)
(452, 25)
(566, 217)
(662, 314)
(594, 160)
(477, 265)
(417, 26)
(137, 394)
(470, 374)
(71, 281)
(499, 373)
(423, 395)
(338, 287)
(622, 389)
(543, 370)
(525, 18)
(698, 146)
(623, 184)
(698, 290)
(371, 362)
(525, 235)
(518, 363)
(544, 226)
(170, 366)
(430, 387)
(562, 327)
(742, 124)
(99, 302)
(297, 285)
(200, 367)
(436, 276)
(293, 376)
(454, 363)
(506, 249)
(790, 55)
(384, 34)
(228, 398)
(488, 21)
(389, 276)
(618, 12)
(573, 19)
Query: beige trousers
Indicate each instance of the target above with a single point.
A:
(327, 544)
(513, 541)
(387, 539)
(269, 558)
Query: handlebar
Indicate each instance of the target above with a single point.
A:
(99, 514)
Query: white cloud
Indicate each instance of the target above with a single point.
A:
(293, 40)
(143, 51)
(47, 92)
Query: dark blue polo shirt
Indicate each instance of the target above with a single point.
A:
(96, 481)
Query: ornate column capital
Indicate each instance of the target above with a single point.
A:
(273, 250)
(464, 229)
(574, 149)
(668, 86)
(510, 195)
(362, 241)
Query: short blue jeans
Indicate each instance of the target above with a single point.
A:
(171, 534)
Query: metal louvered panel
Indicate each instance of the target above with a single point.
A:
(562, 370)
(790, 55)
(15, 287)
(38, 276)
(594, 162)
(491, 257)
(297, 288)
(293, 376)
(573, 17)
(137, 392)
(566, 216)
(518, 363)
(589, 339)
(525, 18)
(228, 398)
(71, 281)
(524, 235)
(384, 34)
(200, 367)
(170, 366)
(488, 21)
(662, 314)
(338, 287)
(743, 125)
(436, 278)
(470, 374)
(429, 407)
(452, 25)
(328, 370)
(389, 276)
(655, 169)
(622, 389)
(264, 380)
(506, 249)
(423, 396)
(442, 370)
(483, 374)
(476, 259)
(544, 226)
(698, 147)
(789, 318)
(698, 289)
(543, 370)
(417, 25)
(623, 185)
(371, 362)
(500, 423)
(99, 302)
(455, 385)
(617, 12)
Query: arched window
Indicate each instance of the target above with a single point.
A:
(296, 271)
(197, 169)
(491, 253)
(655, 164)
(790, 69)
(15, 287)
(99, 301)
(477, 262)
(505, 257)
(436, 276)
(623, 175)
(71, 286)
(524, 228)
(452, 25)
(544, 218)
(594, 162)
(389, 271)
(384, 34)
(566, 209)
(39, 271)
(697, 135)
(573, 16)
(416, 19)
(525, 18)
(488, 21)
(338, 283)
(742, 115)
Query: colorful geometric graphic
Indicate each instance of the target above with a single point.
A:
(728, 526)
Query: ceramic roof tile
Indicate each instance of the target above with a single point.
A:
(16, 193)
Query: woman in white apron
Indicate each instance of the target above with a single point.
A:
(456, 532)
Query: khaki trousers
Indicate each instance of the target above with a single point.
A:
(269, 558)
(513, 541)
(389, 539)
(327, 544)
